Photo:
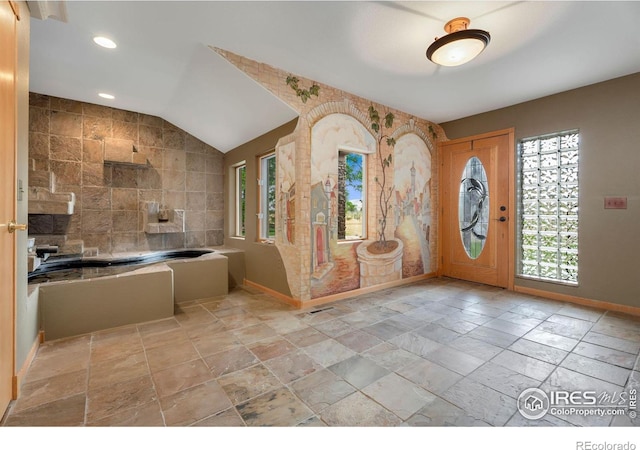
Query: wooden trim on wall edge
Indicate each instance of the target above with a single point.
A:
(279, 295)
(17, 379)
(342, 295)
(600, 304)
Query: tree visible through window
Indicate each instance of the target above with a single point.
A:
(241, 184)
(351, 204)
(548, 225)
(268, 196)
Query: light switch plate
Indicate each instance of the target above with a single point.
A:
(615, 203)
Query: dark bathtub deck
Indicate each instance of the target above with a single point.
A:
(77, 267)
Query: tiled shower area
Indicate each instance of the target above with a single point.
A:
(99, 176)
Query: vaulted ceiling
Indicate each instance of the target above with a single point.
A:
(163, 64)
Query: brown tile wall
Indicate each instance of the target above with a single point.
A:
(67, 138)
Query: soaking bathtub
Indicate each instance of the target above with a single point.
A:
(143, 287)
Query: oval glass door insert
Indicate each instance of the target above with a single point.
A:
(473, 207)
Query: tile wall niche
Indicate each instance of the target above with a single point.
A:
(67, 138)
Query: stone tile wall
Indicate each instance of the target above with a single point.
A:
(67, 139)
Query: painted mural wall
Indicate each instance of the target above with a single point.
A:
(334, 264)
(412, 203)
(318, 264)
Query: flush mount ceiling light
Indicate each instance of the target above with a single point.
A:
(461, 45)
(107, 96)
(104, 42)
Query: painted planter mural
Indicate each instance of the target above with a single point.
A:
(334, 266)
(342, 265)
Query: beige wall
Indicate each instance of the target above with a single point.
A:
(263, 261)
(67, 138)
(607, 115)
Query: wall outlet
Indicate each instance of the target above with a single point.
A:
(615, 203)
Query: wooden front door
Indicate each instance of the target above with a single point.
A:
(7, 199)
(477, 208)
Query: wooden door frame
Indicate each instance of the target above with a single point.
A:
(10, 194)
(510, 132)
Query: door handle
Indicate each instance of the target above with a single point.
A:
(12, 226)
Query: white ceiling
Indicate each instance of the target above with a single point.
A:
(163, 64)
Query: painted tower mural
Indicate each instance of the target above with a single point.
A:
(412, 207)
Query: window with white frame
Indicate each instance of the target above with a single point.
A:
(267, 184)
(352, 214)
(548, 203)
(240, 177)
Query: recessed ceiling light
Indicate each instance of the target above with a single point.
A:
(107, 96)
(104, 42)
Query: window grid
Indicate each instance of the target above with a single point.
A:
(267, 184)
(240, 200)
(548, 219)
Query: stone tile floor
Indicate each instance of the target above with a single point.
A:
(435, 353)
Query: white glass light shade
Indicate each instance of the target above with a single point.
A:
(104, 42)
(458, 48)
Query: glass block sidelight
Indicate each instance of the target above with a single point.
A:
(548, 207)
(473, 207)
